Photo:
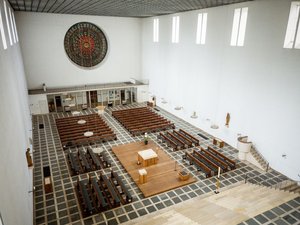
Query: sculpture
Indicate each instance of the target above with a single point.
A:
(28, 157)
(227, 120)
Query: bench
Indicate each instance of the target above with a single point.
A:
(177, 140)
(116, 180)
(95, 160)
(115, 200)
(221, 163)
(169, 142)
(230, 162)
(183, 138)
(190, 137)
(140, 120)
(105, 160)
(206, 161)
(84, 161)
(87, 203)
(102, 203)
(201, 166)
(74, 163)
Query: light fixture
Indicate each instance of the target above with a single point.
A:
(163, 101)
(214, 126)
(194, 115)
(88, 134)
(81, 121)
(178, 108)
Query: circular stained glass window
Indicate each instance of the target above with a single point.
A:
(85, 44)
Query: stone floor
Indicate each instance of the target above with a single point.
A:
(61, 206)
(232, 205)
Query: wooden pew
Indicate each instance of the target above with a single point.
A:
(94, 158)
(87, 206)
(187, 135)
(169, 142)
(141, 125)
(177, 140)
(73, 162)
(140, 120)
(105, 160)
(84, 162)
(206, 161)
(221, 163)
(113, 196)
(71, 133)
(100, 199)
(128, 110)
(117, 181)
(230, 162)
(186, 140)
(151, 128)
(201, 166)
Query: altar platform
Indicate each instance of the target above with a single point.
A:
(161, 176)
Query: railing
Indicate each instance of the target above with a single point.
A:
(253, 150)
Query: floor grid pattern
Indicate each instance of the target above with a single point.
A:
(61, 206)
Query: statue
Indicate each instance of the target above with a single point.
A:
(227, 120)
(28, 157)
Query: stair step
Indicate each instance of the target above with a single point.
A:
(294, 188)
(288, 187)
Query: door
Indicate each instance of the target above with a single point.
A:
(123, 99)
(58, 103)
(94, 99)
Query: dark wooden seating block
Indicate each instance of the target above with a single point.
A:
(88, 207)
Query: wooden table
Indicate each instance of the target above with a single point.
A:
(147, 157)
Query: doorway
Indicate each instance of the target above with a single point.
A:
(58, 103)
(94, 99)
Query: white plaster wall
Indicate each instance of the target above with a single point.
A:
(258, 84)
(38, 104)
(42, 42)
(15, 201)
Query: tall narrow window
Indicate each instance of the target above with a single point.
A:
(15, 26)
(2, 32)
(201, 28)
(12, 25)
(292, 36)
(175, 29)
(156, 30)
(239, 26)
(7, 22)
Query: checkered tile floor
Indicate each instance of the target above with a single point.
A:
(61, 206)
